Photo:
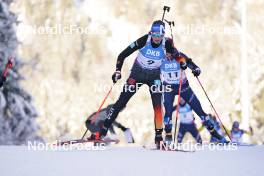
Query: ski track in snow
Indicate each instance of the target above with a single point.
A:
(130, 161)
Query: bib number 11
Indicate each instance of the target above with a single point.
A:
(173, 74)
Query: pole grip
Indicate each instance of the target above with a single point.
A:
(165, 8)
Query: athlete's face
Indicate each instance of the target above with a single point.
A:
(236, 126)
(156, 37)
(182, 101)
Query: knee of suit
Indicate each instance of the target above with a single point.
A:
(168, 110)
(196, 105)
(167, 119)
(208, 123)
(119, 105)
(168, 113)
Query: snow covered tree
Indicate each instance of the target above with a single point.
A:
(17, 114)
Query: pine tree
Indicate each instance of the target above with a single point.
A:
(17, 114)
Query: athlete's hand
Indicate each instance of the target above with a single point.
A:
(183, 65)
(169, 56)
(116, 76)
(196, 71)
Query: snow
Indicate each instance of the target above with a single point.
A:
(134, 161)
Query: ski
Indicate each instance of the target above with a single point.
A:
(78, 141)
(167, 149)
(244, 144)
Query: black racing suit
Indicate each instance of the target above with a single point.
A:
(139, 76)
(97, 125)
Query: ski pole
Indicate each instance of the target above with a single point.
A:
(213, 107)
(165, 8)
(177, 110)
(170, 23)
(9, 65)
(97, 113)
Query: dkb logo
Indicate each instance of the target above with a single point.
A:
(153, 53)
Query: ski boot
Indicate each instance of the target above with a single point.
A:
(158, 138)
(102, 137)
(103, 132)
(208, 122)
(92, 137)
(168, 139)
(168, 129)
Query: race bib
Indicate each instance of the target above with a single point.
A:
(186, 118)
(148, 63)
(172, 77)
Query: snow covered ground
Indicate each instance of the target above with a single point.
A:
(134, 161)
